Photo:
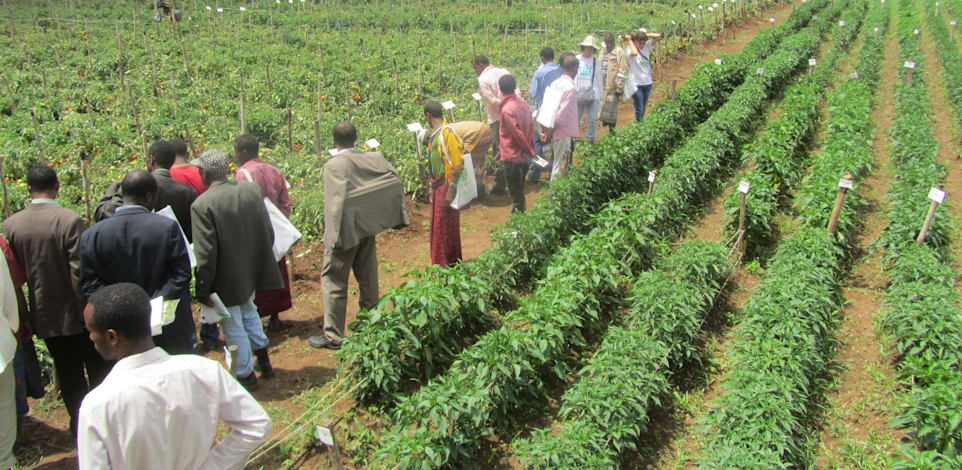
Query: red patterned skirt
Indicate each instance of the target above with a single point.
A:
(273, 301)
(445, 228)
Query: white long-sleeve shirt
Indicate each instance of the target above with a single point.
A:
(160, 412)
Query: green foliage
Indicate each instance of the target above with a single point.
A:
(522, 249)
(607, 408)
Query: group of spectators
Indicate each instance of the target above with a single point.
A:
(562, 93)
(136, 394)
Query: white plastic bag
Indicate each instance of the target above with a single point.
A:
(285, 234)
(467, 186)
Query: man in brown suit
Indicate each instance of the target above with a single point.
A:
(45, 238)
(363, 196)
(233, 244)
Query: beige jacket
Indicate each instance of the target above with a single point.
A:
(617, 71)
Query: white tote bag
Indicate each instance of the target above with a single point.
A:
(467, 186)
(285, 233)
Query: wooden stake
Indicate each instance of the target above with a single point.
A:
(243, 114)
(3, 183)
(652, 176)
(839, 200)
(740, 244)
(674, 83)
(910, 78)
(38, 137)
(290, 130)
(86, 190)
(190, 141)
(928, 220)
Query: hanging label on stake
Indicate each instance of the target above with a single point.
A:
(760, 71)
(876, 29)
(853, 76)
(953, 22)
(710, 9)
(844, 183)
(909, 65)
(841, 23)
(207, 7)
(220, 10)
(447, 105)
(651, 176)
(916, 31)
(476, 96)
(812, 62)
(715, 4)
(771, 20)
(694, 15)
(937, 195)
(332, 152)
(718, 61)
(324, 435)
(373, 143)
(243, 9)
(415, 126)
(744, 186)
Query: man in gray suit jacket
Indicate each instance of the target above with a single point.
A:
(363, 196)
(146, 249)
(45, 238)
(233, 244)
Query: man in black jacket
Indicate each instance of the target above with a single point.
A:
(146, 249)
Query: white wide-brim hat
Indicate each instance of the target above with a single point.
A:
(590, 42)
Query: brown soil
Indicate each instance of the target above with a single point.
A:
(301, 368)
(855, 433)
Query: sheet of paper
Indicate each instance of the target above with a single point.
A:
(156, 316)
(169, 213)
(215, 314)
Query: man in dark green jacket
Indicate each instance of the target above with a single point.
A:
(233, 244)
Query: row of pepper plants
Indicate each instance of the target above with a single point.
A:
(781, 150)
(442, 425)
(418, 328)
(785, 341)
(922, 317)
(103, 82)
(606, 410)
(948, 52)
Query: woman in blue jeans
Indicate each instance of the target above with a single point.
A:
(640, 46)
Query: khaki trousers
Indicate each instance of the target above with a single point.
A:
(338, 264)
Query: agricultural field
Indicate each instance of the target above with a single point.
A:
(761, 274)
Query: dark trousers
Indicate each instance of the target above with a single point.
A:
(514, 175)
(640, 100)
(71, 356)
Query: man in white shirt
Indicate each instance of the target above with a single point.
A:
(488, 76)
(156, 411)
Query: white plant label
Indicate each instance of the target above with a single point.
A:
(476, 96)
(812, 62)
(760, 71)
(916, 31)
(694, 15)
(373, 143)
(841, 23)
(814, 17)
(415, 126)
(700, 7)
(718, 61)
(651, 176)
(243, 9)
(710, 9)
(771, 20)
(715, 4)
(953, 22)
(844, 183)
(909, 65)
(332, 152)
(876, 29)
(853, 76)
(744, 186)
(207, 7)
(644, 30)
(220, 10)
(804, 1)
(673, 22)
(324, 435)
(540, 161)
(937, 195)
(448, 105)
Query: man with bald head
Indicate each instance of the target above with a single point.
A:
(139, 247)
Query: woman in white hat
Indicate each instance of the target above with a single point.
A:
(588, 84)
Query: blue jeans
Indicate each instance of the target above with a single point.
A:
(591, 106)
(209, 334)
(244, 330)
(640, 100)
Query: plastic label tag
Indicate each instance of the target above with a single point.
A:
(694, 15)
(841, 23)
(476, 96)
(415, 126)
(718, 61)
(243, 9)
(812, 62)
(540, 161)
(744, 186)
(715, 4)
(651, 176)
(953, 22)
(447, 105)
(814, 17)
(700, 7)
(909, 65)
(373, 143)
(220, 10)
(332, 152)
(876, 29)
(760, 71)
(937, 195)
(804, 1)
(207, 7)
(324, 435)
(844, 183)
(916, 31)
(710, 9)
(644, 30)
(853, 76)
(771, 20)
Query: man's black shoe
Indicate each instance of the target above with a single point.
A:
(321, 342)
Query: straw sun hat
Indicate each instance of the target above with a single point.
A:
(591, 42)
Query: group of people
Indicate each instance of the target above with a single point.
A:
(562, 93)
(127, 374)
